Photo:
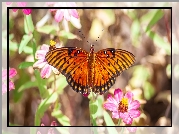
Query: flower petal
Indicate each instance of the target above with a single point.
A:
(73, 12)
(66, 15)
(11, 85)
(115, 114)
(134, 113)
(27, 11)
(39, 64)
(4, 88)
(132, 129)
(12, 72)
(45, 47)
(110, 99)
(46, 71)
(110, 106)
(53, 123)
(75, 22)
(21, 4)
(85, 94)
(8, 3)
(14, 10)
(40, 54)
(55, 70)
(59, 15)
(134, 105)
(4, 74)
(118, 94)
(129, 95)
(126, 118)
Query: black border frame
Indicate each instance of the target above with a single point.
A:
(8, 8)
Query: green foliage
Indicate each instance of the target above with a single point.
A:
(25, 65)
(68, 35)
(148, 90)
(25, 40)
(159, 42)
(41, 84)
(64, 120)
(151, 18)
(28, 24)
(28, 84)
(52, 98)
(48, 29)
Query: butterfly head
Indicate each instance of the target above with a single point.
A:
(92, 49)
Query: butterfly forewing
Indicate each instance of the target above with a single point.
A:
(72, 63)
(116, 60)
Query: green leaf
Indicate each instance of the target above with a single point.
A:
(148, 90)
(151, 18)
(34, 47)
(168, 70)
(11, 36)
(28, 50)
(60, 83)
(28, 24)
(64, 120)
(94, 128)
(135, 29)
(13, 46)
(159, 42)
(109, 122)
(67, 35)
(41, 84)
(25, 65)
(25, 40)
(48, 29)
(27, 85)
(140, 75)
(44, 106)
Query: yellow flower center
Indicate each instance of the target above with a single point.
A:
(123, 105)
(52, 43)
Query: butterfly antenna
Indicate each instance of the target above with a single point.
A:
(99, 36)
(84, 38)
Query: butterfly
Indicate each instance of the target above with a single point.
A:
(90, 71)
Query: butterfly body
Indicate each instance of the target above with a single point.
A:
(90, 71)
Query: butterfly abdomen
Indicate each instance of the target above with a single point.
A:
(91, 63)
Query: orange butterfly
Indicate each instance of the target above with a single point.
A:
(90, 71)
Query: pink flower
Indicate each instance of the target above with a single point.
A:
(12, 73)
(42, 63)
(64, 13)
(50, 131)
(132, 129)
(122, 106)
(21, 4)
(53, 123)
(86, 95)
